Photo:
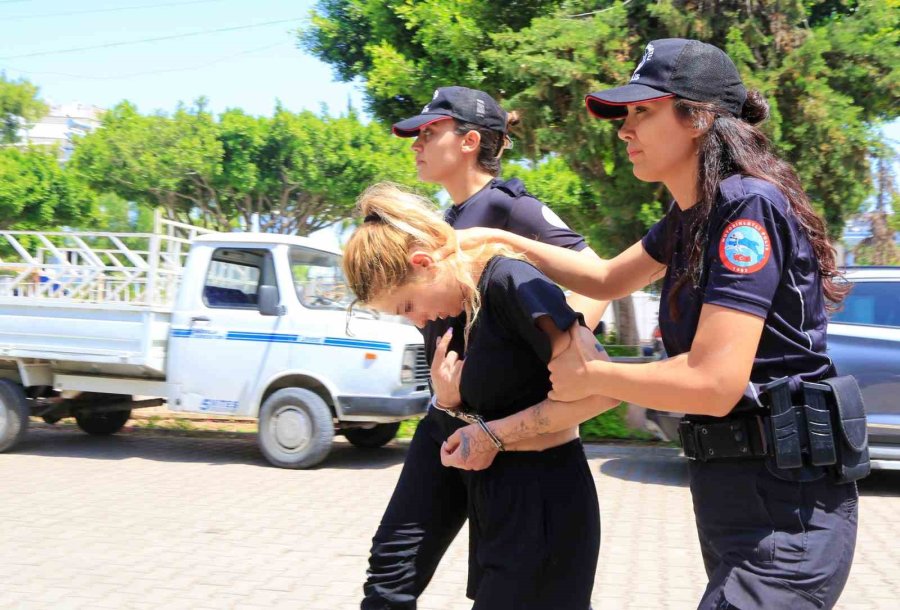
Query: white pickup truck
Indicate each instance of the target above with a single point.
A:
(93, 325)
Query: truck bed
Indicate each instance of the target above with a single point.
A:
(108, 339)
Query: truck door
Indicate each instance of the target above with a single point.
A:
(220, 342)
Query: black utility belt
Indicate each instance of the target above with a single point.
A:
(828, 429)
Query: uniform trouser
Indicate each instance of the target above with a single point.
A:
(536, 521)
(770, 543)
(426, 511)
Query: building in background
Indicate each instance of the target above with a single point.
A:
(62, 125)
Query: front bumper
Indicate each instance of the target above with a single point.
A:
(383, 408)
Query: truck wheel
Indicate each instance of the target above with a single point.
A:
(102, 424)
(13, 414)
(295, 428)
(372, 438)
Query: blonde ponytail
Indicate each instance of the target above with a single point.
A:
(397, 223)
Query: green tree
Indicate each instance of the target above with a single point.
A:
(298, 171)
(880, 248)
(156, 160)
(37, 193)
(828, 69)
(19, 106)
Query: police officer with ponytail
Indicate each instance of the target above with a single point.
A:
(776, 439)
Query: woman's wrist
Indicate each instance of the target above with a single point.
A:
(440, 404)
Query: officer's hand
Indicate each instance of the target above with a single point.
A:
(446, 370)
(467, 238)
(569, 370)
(468, 448)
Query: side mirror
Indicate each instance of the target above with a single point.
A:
(268, 301)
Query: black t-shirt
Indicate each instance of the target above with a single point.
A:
(501, 204)
(758, 260)
(506, 360)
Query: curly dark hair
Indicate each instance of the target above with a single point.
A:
(735, 145)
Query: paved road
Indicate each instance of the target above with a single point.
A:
(146, 521)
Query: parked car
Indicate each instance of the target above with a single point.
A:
(863, 341)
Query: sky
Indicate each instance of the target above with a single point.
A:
(248, 68)
(251, 65)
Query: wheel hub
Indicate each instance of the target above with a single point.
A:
(292, 428)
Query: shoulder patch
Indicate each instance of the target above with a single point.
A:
(744, 246)
(551, 218)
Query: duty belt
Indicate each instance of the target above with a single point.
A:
(742, 438)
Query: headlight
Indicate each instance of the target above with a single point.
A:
(408, 366)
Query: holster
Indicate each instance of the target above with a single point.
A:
(849, 417)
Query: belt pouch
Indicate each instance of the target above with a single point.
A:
(818, 424)
(785, 435)
(849, 417)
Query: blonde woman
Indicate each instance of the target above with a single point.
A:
(534, 516)
(459, 139)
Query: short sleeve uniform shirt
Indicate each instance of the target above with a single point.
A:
(759, 261)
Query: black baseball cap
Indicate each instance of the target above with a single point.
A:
(673, 67)
(460, 103)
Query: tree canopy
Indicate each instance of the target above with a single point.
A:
(19, 106)
(37, 193)
(828, 69)
(299, 171)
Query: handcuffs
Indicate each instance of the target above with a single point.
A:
(471, 418)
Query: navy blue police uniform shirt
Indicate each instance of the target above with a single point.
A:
(501, 204)
(507, 356)
(759, 261)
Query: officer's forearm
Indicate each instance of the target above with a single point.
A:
(674, 384)
(549, 416)
(591, 309)
(585, 275)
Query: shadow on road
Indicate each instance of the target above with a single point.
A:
(217, 448)
(670, 471)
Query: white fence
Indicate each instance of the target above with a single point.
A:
(96, 267)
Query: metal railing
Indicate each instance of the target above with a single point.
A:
(96, 266)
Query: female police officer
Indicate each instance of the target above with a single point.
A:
(460, 136)
(748, 272)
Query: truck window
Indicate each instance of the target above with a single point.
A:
(319, 280)
(234, 277)
(872, 304)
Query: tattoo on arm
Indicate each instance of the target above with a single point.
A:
(541, 419)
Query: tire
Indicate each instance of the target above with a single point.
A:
(102, 423)
(372, 438)
(13, 414)
(295, 428)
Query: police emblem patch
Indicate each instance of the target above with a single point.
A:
(744, 247)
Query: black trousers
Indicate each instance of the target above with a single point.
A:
(770, 543)
(430, 503)
(426, 511)
(536, 524)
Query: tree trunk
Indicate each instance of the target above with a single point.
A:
(626, 322)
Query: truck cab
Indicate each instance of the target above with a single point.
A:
(260, 314)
